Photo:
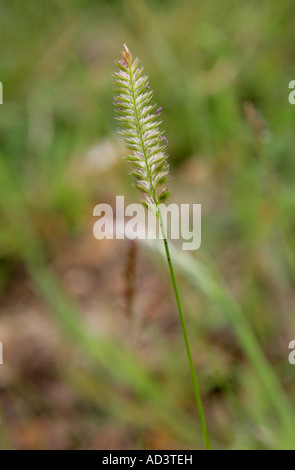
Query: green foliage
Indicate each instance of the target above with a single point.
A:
(205, 60)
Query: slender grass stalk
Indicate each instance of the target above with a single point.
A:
(141, 133)
(186, 340)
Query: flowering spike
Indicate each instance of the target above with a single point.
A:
(139, 126)
(140, 130)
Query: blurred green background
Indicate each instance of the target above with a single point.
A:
(93, 352)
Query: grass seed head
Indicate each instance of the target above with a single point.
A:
(140, 129)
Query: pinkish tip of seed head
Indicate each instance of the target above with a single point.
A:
(127, 56)
(159, 110)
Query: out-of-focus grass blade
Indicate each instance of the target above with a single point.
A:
(212, 287)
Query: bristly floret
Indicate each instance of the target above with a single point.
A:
(139, 126)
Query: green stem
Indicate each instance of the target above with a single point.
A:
(186, 339)
(184, 331)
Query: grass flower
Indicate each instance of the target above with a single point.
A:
(140, 128)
